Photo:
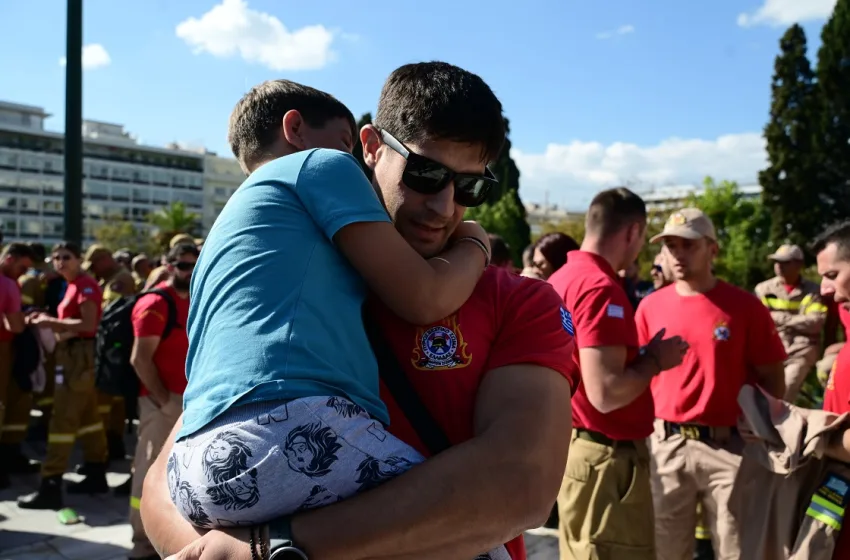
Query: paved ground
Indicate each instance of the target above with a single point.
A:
(105, 533)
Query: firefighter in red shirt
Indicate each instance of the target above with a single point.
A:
(602, 515)
(832, 248)
(695, 446)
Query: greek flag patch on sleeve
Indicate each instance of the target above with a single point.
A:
(567, 322)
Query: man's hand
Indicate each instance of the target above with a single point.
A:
(668, 352)
(779, 317)
(217, 545)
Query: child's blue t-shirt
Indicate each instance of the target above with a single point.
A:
(275, 308)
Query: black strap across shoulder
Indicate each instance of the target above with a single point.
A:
(396, 381)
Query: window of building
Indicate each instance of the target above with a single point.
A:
(54, 165)
(52, 207)
(29, 183)
(120, 192)
(28, 205)
(160, 196)
(95, 189)
(98, 171)
(124, 174)
(31, 163)
(54, 228)
(8, 160)
(8, 204)
(93, 210)
(9, 180)
(161, 177)
(140, 213)
(10, 226)
(141, 195)
(31, 228)
(142, 177)
(52, 185)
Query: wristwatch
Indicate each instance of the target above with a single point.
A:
(281, 545)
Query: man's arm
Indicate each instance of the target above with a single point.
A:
(771, 378)
(609, 383)
(14, 322)
(467, 500)
(810, 321)
(142, 361)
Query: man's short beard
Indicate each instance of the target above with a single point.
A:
(180, 284)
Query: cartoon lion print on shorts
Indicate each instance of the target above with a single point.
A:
(225, 464)
(311, 449)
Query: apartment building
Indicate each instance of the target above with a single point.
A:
(663, 199)
(222, 176)
(121, 178)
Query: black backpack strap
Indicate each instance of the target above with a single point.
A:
(396, 381)
(171, 320)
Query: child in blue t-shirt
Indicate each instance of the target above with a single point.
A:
(282, 411)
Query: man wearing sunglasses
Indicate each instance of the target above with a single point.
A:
(159, 358)
(496, 375)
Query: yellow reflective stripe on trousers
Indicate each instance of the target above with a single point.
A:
(90, 429)
(135, 503)
(61, 438)
(826, 512)
(104, 409)
(44, 402)
(14, 428)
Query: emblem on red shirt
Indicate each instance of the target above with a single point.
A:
(721, 331)
(440, 346)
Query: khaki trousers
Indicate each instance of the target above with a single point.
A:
(605, 503)
(797, 369)
(74, 409)
(155, 424)
(687, 472)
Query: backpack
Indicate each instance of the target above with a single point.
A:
(27, 358)
(114, 374)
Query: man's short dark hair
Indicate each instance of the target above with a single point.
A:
(181, 250)
(39, 251)
(439, 101)
(19, 251)
(256, 120)
(612, 210)
(839, 234)
(500, 252)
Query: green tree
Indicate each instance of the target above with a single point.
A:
(834, 86)
(504, 212)
(743, 232)
(174, 219)
(791, 187)
(357, 152)
(117, 233)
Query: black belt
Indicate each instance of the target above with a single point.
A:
(80, 339)
(602, 439)
(698, 432)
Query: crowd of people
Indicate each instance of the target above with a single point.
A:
(344, 375)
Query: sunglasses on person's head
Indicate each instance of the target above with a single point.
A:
(183, 266)
(426, 176)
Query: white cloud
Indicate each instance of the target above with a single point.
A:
(231, 28)
(778, 13)
(572, 173)
(94, 56)
(622, 30)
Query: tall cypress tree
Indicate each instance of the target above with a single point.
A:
(504, 212)
(357, 152)
(834, 87)
(791, 190)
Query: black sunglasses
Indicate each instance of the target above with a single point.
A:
(426, 176)
(183, 266)
(657, 268)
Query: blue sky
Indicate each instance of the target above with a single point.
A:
(598, 93)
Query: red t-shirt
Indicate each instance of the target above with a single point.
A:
(836, 398)
(844, 317)
(10, 302)
(507, 320)
(150, 315)
(83, 288)
(729, 331)
(602, 316)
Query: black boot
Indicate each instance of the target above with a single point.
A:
(48, 496)
(93, 483)
(4, 480)
(115, 443)
(125, 488)
(15, 462)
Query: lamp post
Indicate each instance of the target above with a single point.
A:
(74, 123)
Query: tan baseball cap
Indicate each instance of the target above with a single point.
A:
(179, 239)
(787, 253)
(687, 223)
(93, 252)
